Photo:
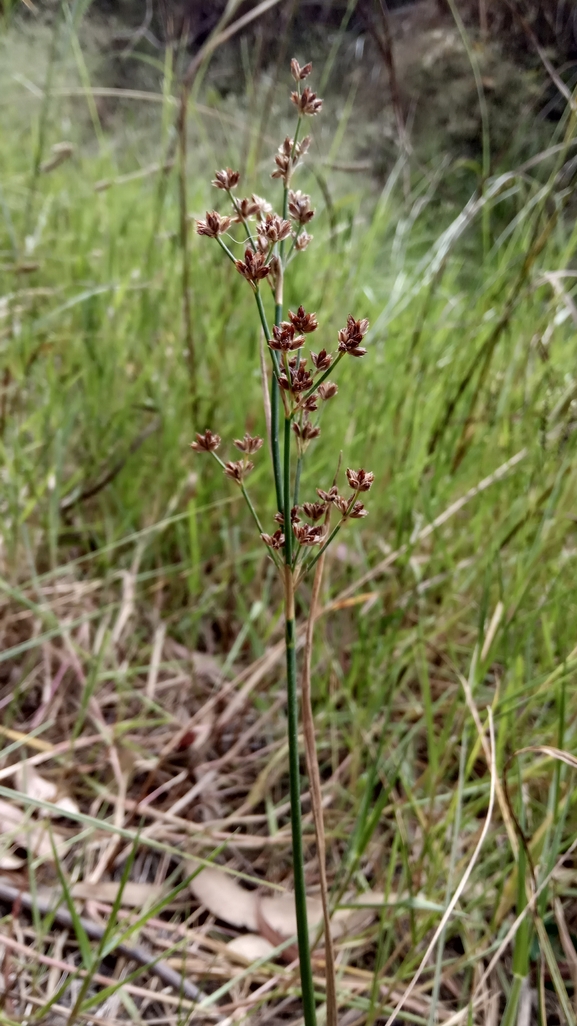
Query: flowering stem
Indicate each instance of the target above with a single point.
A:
(285, 195)
(308, 994)
(243, 221)
(320, 380)
(251, 508)
(287, 492)
(333, 533)
(298, 479)
(274, 408)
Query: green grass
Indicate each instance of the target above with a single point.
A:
(471, 361)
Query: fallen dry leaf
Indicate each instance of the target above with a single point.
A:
(347, 921)
(134, 895)
(277, 917)
(31, 783)
(248, 947)
(20, 831)
(225, 898)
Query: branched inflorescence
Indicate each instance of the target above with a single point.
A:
(299, 387)
(301, 380)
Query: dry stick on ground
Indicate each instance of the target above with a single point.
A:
(316, 796)
(45, 906)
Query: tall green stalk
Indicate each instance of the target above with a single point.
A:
(308, 995)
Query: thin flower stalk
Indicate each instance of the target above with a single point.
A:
(302, 533)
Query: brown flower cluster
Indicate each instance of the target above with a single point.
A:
(226, 179)
(360, 480)
(274, 228)
(314, 510)
(213, 225)
(298, 380)
(302, 321)
(285, 338)
(300, 206)
(208, 442)
(350, 338)
(299, 73)
(249, 444)
(302, 241)
(307, 535)
(322, 360)
(305, 433)
(274, 541)
(254, 267)
(328, 389)
(307, 102)
(295, 519)
(350, 509)
(238, 471)
(288, 156)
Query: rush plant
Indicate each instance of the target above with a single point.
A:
(299, 384)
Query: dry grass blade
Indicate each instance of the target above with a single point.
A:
(463, 882)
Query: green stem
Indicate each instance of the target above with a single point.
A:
(308, 995)
(298, 479)
(333, 533)
(286, 190)
(288, 535)
(243, 222)
(251, 508)
(274, 408)
(274, 399)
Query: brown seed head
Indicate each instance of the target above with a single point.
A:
(302, 241)
(246, 208)
(307, 431)
(360, 480)
(238, 471)
(254, 267)
(307, 103)
(274, 541)
(288, 155)
(327, 390)
(302, 321)
(226, 179)
(300, 206)
(301, 379)
(323, 361)
(213, 225)
(249, 444)
(285, 339)
(311, 403)
(350, 338)
(263, 205)
(295, 519)
(208, 442)
(299, 73)
(274, 228)
(314, 510)
(358, 511)
(308, 535)
(341, 504)
(330, 496)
